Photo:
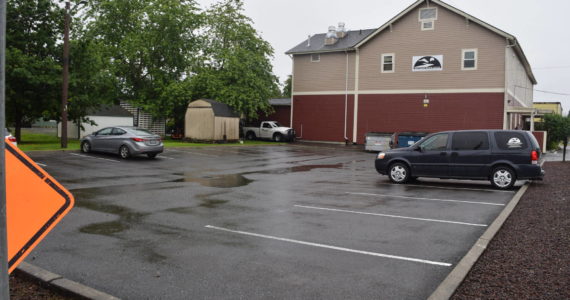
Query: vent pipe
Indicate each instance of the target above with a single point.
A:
(331, 38)
(341, 30)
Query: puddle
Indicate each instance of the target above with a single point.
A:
(295, 169)
(127, 217)
(219, 181)
(212, 203)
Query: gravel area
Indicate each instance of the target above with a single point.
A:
(23, 288)
(529, 258)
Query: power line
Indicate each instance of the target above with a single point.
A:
(543, 91)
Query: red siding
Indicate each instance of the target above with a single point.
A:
(405, 112)
(282, 115)
(540, 137)
(321, 118)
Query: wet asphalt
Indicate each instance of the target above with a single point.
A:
(296, 221)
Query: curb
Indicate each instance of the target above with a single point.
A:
(446, 289)
(57, 282)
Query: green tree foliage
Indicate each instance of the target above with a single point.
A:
(152, 45)
(236, 63)
(288, 86)
(558, 128)
(33, 69)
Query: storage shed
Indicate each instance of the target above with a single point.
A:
(209, 120)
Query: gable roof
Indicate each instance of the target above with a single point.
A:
(110, 111)
(316, 43)
(319, 38)
(220, 109)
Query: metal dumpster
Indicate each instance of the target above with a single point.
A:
(377, 141)
(406, 139)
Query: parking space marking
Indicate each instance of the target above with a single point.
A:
(427, 199)
(40, 164)
(390, 216)
(456, 188)
(195, 153)
(94, 157)
(430, 262)
(162, 156)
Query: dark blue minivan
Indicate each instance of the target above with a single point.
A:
(500, 156)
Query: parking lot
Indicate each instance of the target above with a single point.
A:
(297, 221)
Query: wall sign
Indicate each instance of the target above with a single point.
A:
(427, 63)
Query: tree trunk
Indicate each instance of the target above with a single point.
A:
(18, 129)
(564, 150)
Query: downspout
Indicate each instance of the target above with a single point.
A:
(356, 75)
(292, 89)
(346, 98)
(506, 121)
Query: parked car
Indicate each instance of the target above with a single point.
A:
(123, 140)
(10, 138)
(500, 156)
(269, 130)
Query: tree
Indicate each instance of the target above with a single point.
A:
(33, 71)
(288, 86)
(558, 128)
(152, 46)
(236, 63)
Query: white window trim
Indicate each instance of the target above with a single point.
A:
(393, 62)
(316, 60)
(425, 8)
(463, 68)
(427, 21)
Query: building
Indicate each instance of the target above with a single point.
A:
(548, 107)
(209, 120)
(430, 68)
(281, 111)
(104, 116)
(145, 120)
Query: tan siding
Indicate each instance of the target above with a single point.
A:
(329, 74)
(518, 83)
(226, 126)
(450, 36)
(199, 122)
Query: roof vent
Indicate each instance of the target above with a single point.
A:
(331, 38)
(341, 30)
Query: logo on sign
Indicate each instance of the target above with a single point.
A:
(427, 63)
(514, 143)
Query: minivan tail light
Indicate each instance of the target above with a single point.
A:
(137, 139)
(534, 157)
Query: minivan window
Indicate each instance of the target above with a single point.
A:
(437, 142)
(508, 140)
(470, 141)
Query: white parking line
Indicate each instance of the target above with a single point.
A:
(162, 156)
(427, 199)
(94, 157)
(390, 216)
(453, 188)
(40, 164)
(195, 153)
(437, 263)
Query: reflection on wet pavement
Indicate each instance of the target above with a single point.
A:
(127, 217)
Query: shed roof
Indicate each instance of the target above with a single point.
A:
(316, 43)
(220, 109)
(110, 111)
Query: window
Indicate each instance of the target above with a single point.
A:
(427, 14)
(315, 57)
(437, 142)
(470, 141)
(267, 125)
(388, 63)
(428, 25)
(469, 59)
(105, 131)
(510, 140)
(118, 131)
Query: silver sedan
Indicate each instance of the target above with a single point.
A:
(123, 140)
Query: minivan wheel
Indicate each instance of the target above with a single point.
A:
(85, 147)
(399, 173)
(503, 177)
(124, 152)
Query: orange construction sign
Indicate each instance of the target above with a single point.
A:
(35, 203)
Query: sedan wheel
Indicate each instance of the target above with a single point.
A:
(124, 152)
(399, 173)
(85, 147)
(503, 178)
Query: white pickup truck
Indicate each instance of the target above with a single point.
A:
(269, 130)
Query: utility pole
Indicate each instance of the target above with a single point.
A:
(4, 278)
(65, 84)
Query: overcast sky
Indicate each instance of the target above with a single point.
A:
(542, 28)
